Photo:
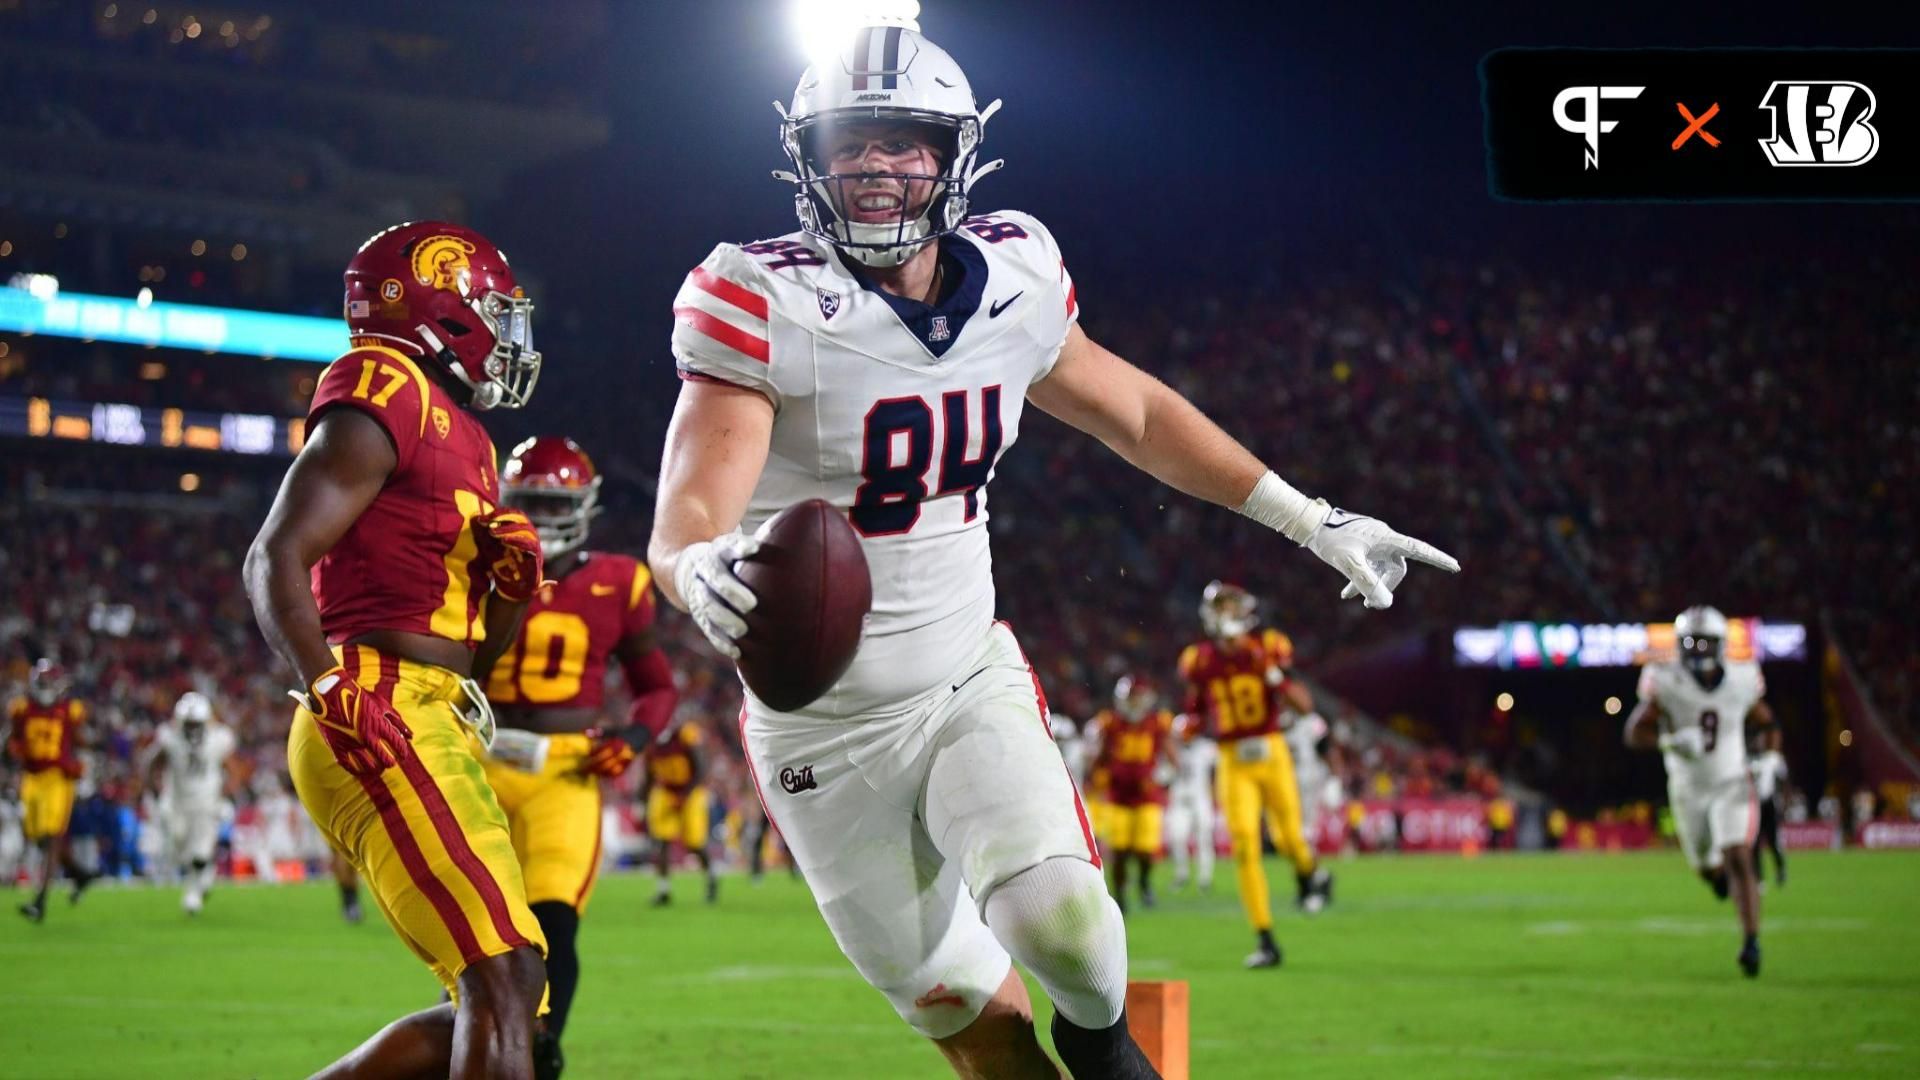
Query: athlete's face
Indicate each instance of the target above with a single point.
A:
(871, 150)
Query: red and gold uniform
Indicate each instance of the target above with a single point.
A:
(560, 661)
(677, 803)
(428, 835)
(43, 738)
(1235, 688)
(1133, 821)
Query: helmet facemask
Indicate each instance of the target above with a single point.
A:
(511, 366)
(1133, 699)
(821, 195)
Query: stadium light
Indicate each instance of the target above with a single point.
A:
(825, 27)
(1613, 706)
(1504, 702)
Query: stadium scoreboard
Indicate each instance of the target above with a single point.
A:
(1548, 646)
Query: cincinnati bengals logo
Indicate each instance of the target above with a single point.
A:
(391, 290)
(440, 262)
(442, 423)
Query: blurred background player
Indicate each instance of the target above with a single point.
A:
(1696, 709)
(1308, 736)
(385, 576)
(548, 689)
(677, 807)
(189, 763)
(1190, 810)
(1237, 680)
(1769, 770)
(43, 735)
(1132, 742)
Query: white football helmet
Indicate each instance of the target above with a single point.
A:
(1701, 633)
(1226, 611)
(1133, 699)
(193, 712)
(889, 74)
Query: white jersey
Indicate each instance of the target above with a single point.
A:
(1769, 771)
(195, 772)
(892, 410)
(1198, 756)
(1076, 749)
(1719, 713)
(1303, 740)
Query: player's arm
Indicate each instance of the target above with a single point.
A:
(1163, 434)
(336, 477)
(1643, 725)
(501, 618)
(650, 680)
(716, 447)
(1760, 718)
(156, 759)
(1294, 693)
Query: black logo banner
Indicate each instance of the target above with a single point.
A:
(1703, 124)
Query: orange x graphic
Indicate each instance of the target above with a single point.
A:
(1699, 125)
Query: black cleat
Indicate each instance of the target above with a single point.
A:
(713, 889)
(350, 912)
(1148, 899)
(548, 1061)
(79, 886)
(33, 911)
(1266, 956)
(662, 899)
(1719, 886)
(1750, 959)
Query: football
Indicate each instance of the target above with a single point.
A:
(811, 578)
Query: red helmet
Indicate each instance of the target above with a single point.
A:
(443, 292)
(46, 682)
(553, 482)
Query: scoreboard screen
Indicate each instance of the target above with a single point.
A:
(1546, 646)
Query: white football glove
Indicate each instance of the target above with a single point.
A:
(715, 596)
(1372, 556)
(1687, 742)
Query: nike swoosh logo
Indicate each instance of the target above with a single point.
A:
(605, 590)
(994, 311)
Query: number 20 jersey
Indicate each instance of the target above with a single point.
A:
(894, 411)
(1719, 713)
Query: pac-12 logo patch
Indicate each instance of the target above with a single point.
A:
(829, 302)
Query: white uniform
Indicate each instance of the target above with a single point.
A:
(1769, 771)
(1076, 749)
(1309, 770)
(193, 790)
(1712, 794)
(1190, 817)
(933, 776)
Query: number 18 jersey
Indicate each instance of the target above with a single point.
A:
(1719, 713)
(893, 410)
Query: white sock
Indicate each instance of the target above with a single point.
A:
(1057, 920)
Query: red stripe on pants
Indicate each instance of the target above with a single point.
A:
(1040, 699)
(431, 887)
(455, 839)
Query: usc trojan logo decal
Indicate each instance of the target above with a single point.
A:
(440, 262)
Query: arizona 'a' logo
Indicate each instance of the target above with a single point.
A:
(440, 262)
(829, 302)
(1820, 123)
(442, 423)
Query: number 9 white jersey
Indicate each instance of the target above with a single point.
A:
(1719, 713)
(195, 772)
(894, 411)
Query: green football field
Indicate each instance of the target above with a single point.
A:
(1561, 966)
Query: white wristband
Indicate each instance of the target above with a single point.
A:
(1275, 504)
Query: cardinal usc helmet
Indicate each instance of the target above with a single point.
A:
(1134, 698)
(553, 482)
(1226, 611)
(444, 293)
(886, 74)
(46, 682)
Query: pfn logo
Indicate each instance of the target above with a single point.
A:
(1825, 123)
(1588, 124)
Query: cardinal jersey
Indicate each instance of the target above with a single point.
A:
(569, 634)
(894, 411)
(196, 774)
(1719, 713)
(42, 736)
(1128, 752)
(670, 765)
(409, 562)
(1235, 686)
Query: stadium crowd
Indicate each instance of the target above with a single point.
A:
(1567, 440)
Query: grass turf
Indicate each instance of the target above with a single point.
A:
(1561, 966)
